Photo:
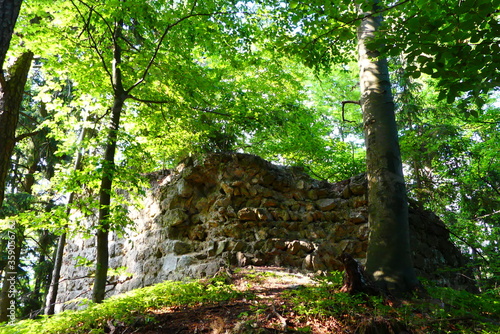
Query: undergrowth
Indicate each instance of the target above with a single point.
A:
(445, 310)
(129, 308)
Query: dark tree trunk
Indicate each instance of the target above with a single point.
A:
(355, 278)
(8, 294)
(50, 300)
(9, 11)
(389, 258)
(11, 96)
(108, 170)
(105, 202)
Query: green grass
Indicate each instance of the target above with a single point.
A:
(443, 311)
(127, 308)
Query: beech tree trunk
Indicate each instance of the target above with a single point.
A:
(389, 258)
(11, 96)
(102, 258)
(108, 170)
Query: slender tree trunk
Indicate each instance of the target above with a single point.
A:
(8, 294)
(389, 258)
(102, 258)
(50, 300)
(11, 96)
(42, 275)
(105, 202)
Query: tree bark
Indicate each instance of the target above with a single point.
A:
(389, 258)
(108, 170)
(9, 11)
(11, 96)
(102, 258)
(355, 279)
(8, 293)
(50, 300)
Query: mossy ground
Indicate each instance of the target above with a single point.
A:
(271, 300)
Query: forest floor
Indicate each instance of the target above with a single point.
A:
(259, 310)
(267, 305)
(258, 300)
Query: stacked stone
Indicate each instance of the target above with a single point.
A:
(240, 210)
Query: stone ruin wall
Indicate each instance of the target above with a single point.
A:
(239, 210)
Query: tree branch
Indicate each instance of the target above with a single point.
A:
(26, 135)
(94, 44)
(492, 186)
(488, 215)
(148, 101)
(343, 105)
(129, 43)
(358, 19)
(162, 38)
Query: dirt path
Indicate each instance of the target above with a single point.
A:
(260, 313)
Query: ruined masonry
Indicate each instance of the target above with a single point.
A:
(239, 210)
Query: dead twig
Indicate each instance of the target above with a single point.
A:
(343, 111)
(282, 319)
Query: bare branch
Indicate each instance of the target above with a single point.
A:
(488, 215)
(193, 7)
(31, 118)
(492, 186)
(148, 101)
(129, 43)
(343, 105)
(94, 44)
(26, 135)
(162, 38)
(210, 111)
(110, 28)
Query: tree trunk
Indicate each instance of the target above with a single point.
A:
(105, 202)
(50, 300)
(389, 258)
(8, 294)
(108, 170)
(11, 96)
(9, 11)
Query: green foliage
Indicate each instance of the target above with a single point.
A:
(324, 299)
(228, 79)
(445, 310)
(454, 43)
(127, 308)
(465, 311)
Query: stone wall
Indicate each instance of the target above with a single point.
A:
(239, 210)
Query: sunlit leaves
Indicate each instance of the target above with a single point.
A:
(454, 43)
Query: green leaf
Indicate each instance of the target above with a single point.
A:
(416, 74)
